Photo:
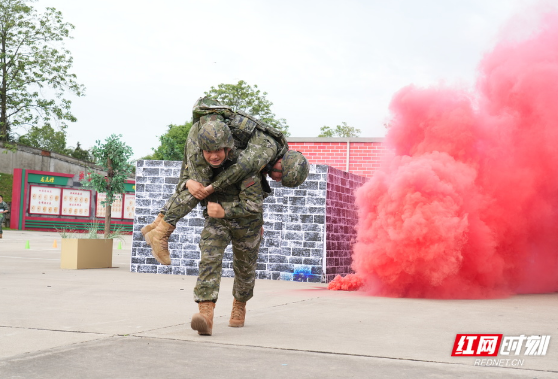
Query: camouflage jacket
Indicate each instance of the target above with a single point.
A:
(241, 199)
(261, 145)
(261, 150)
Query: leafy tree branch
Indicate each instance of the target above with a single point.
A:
(171, 144)
(114, 158)
(32, 59)
(248, 99)
(343, 130)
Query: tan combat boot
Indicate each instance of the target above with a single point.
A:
(160, 242)
(203, 321)
(147, 228)
(238, 314)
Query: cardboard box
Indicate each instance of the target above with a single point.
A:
(79, 253)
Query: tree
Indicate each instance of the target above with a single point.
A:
(242, 97)
(113, 156)
(34, 68)
(45, 138)
(339, 131)
(172, 143)
(81, 154)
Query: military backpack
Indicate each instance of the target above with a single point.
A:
(242, 125)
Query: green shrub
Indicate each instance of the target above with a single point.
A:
(6, 184)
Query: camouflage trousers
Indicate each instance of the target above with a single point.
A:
(178, 206)
(245, 235)
(1, 222)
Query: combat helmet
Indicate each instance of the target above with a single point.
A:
(295, 169)
(215, 135)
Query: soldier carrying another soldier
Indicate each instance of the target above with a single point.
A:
(234, 205)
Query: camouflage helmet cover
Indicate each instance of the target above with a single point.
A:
(215, 135)
(295, 169)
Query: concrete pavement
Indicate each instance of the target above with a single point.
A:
(103, 323)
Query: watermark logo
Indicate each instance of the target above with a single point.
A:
(489, 345)
(476, 345)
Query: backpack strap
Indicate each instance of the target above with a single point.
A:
(242, 126)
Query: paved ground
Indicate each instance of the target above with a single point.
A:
(110, 323)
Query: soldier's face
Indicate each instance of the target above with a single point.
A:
(277, 171)
(215, 157)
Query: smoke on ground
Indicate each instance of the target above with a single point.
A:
(467, 204)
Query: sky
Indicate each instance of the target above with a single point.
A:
(144, 63)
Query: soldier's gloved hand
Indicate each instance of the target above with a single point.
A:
(215, 210)
(197, 189)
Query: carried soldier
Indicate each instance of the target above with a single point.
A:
(258, 148)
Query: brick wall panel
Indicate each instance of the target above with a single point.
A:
(292, 218)
(341, 218)
(302, 226)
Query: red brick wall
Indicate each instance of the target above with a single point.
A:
(364, 153)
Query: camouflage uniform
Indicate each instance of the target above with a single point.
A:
(250, 135)
(3, 207)
(242, 202)
(243, 205)
(260, 151)
(216, 235)
(257, 144)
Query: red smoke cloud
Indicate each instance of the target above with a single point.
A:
(467, 206)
